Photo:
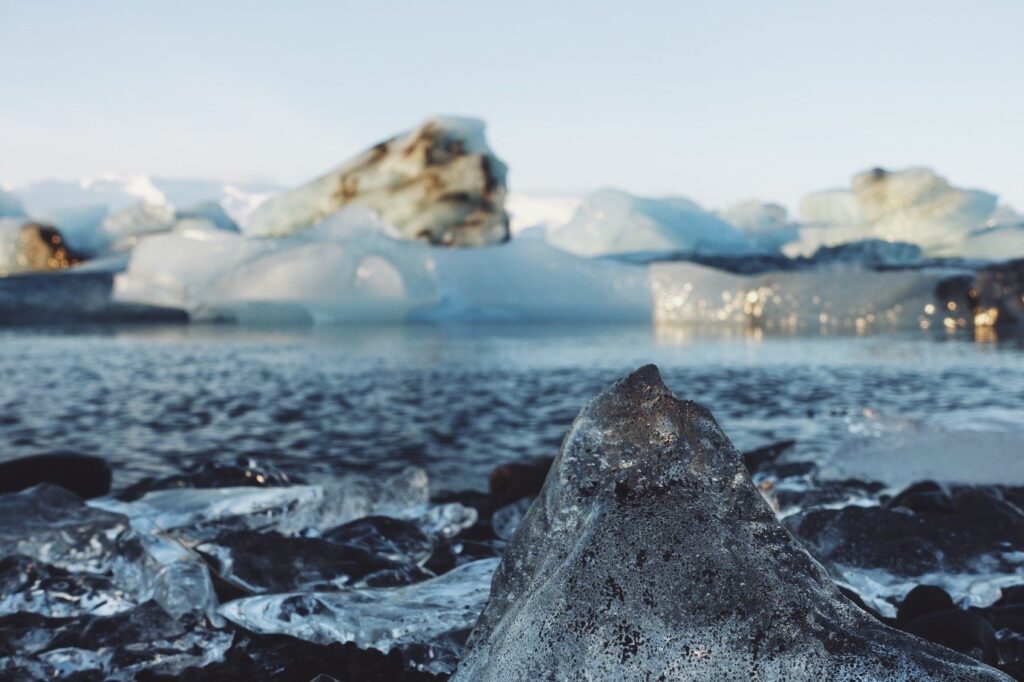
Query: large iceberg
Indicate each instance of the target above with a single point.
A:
(112, 211)
(914, 205)
(611, 222)
(353, 267)
(439, 182)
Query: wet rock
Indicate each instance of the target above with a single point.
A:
(262, 563)
(913, 543)
(922, 600)
(759, 457)
(963, 631)
(81, 474)
(393, 539)
(926, 496)
(516, 480)
(53, 525)
(439, 183)
(244, 472)
(649, 552)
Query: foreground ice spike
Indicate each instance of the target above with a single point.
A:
(439, 183)
(650, 553)
(434, 613)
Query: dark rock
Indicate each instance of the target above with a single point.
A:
(244, 472)
(83, 475)
(757, 458)
(926, 496)
(263, 563)
(72, 296)
(990, 298)
(1011, 595)
(393, 539)
(904, 542)
(649, 552)
(516, 480)
(922, 600)
(963, 631)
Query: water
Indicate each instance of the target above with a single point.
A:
(458, 400)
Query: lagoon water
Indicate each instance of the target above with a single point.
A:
(456, 400)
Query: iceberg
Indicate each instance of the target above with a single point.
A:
(915, 205)
(354, 267)
(611, 222)
(439, 182)
(766, 225)
(10, 206)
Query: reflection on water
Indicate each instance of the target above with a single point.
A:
(456, 399)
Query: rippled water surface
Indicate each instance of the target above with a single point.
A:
(458, 400)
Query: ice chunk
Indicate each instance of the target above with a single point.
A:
(443, 520)
(197, 509)
(506, 519)
(349, 268)
(30, 586)
(766, 225)
(434, 612)
(914, 205)
(159, 568)
(528, 211)
(686, 293)
(900, 451)
(10, 206)
(439, 182)
(611, 222)
(52, 525)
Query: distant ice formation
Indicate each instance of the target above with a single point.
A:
(353, 267)
(914, 205)
(611, 222)
(439, 182)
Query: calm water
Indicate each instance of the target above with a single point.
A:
(455, 400)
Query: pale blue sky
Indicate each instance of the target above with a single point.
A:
(717, 101)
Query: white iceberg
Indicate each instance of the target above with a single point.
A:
(611, 222)
(766, 225)
(914, 205)
(352, 267)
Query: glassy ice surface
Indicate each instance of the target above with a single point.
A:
(435, 613)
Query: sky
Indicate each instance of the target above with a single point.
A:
(717, 101)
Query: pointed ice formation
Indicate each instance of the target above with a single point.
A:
(650, 553)
(439, 183)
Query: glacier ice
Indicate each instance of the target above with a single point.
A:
(767, 225)
(10, 206)
(899, 451)
(613, 223)
(439, 182)
(351, 267)
(436, 612)
(914, 205)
